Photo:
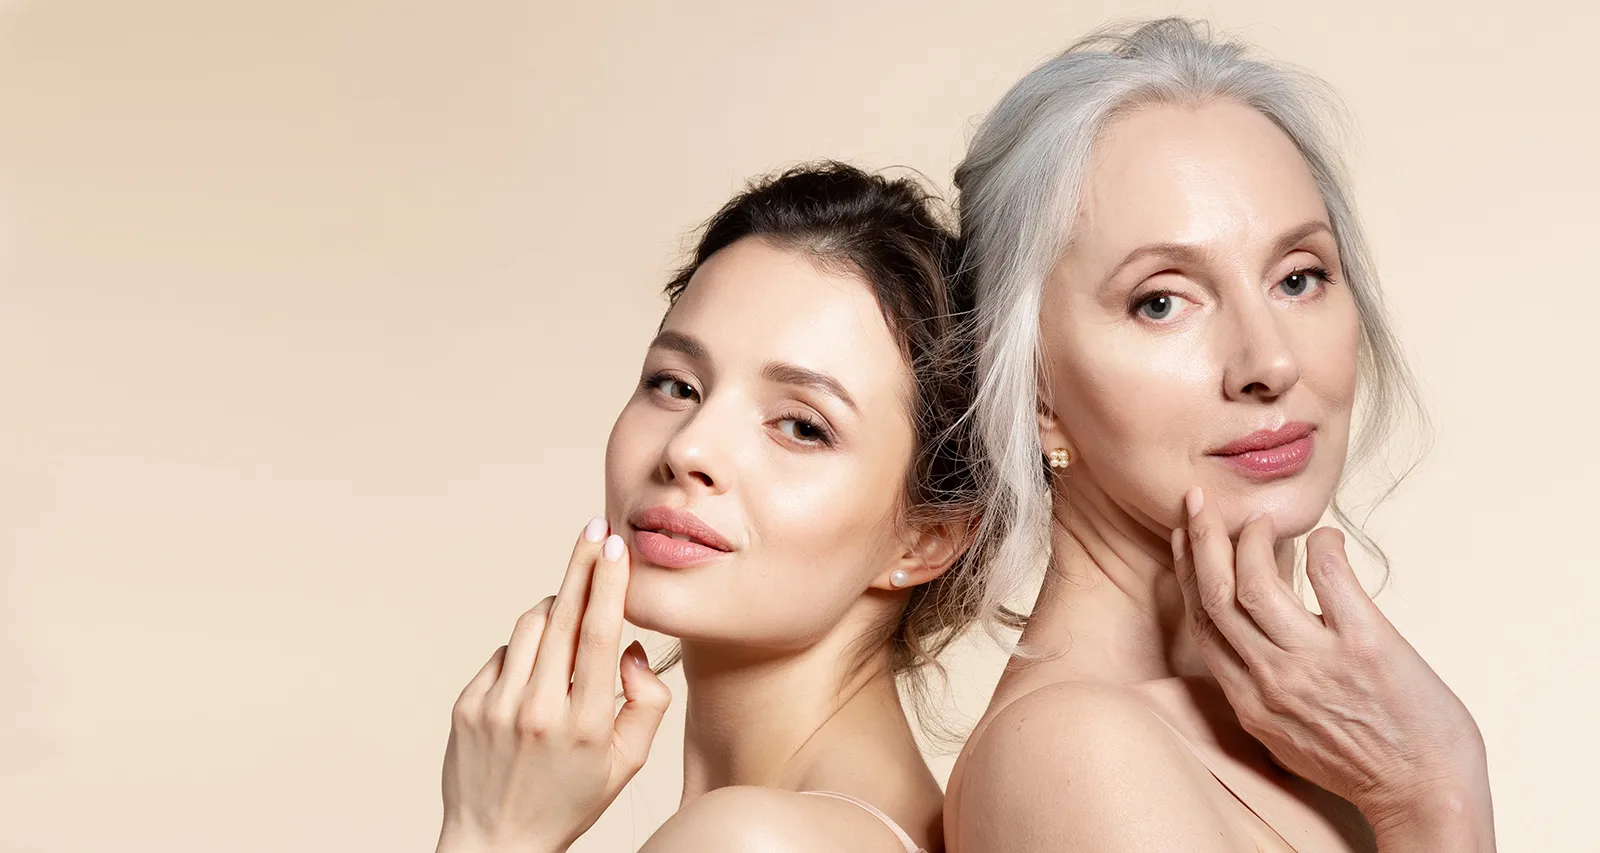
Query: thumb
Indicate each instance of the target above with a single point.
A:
(646, 698)
(1345, 605)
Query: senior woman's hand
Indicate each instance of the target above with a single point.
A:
(1340, 699)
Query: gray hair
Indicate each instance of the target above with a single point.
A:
(1019, 189)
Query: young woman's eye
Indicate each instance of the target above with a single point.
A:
(1304, 282)
(804, 430)
(1160, 306)
(672, 388)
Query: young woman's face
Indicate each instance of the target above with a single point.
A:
(771, 429)
(1198, 330)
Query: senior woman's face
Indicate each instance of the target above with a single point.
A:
(1198, 330)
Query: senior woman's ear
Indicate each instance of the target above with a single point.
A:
(1054, 444)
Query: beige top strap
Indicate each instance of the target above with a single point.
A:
(1222, 777)
(910, 845)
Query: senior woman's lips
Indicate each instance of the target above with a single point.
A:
(1270, 453)
(676, 539)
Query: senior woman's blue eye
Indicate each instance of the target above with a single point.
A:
(1160, 306)
(1303, 281)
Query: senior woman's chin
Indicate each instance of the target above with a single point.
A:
(1296, 505)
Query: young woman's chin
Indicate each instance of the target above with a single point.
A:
(658, 601)
(676, 604)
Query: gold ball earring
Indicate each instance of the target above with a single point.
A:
(1059, 458)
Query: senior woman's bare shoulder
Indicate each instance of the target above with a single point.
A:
(1089, 767)
(751, 819)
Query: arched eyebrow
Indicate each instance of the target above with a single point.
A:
(792, 374)
(1294, 236)
(780, 372)
(681, 343)
(1192, 254)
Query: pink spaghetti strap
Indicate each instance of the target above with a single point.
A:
(910, 845)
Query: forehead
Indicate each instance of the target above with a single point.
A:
(1219, 171)
(753, 303)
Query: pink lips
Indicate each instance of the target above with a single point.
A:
(676, 539)
(1271, 453)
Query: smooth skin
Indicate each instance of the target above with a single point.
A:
(539, 723)
(1175, 672)
(791, 437)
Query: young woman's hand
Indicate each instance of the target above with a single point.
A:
(538, 749)
(1340, 699)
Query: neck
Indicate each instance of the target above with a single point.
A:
(1111, 598)
(755, 720)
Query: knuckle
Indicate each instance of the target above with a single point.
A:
(590, 732)
(1204, 631)
(1215, 595)
(1362, 649)
(1253, 718)
(611, 583)
(596, 639)
(1253, 595)
(530, 723)
(466, 713)
(498, 716)
(565, 616)
(605, 571)
(1279, 690)
(532, 620)
(1275, 697)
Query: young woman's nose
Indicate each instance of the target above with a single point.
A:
(698, 455)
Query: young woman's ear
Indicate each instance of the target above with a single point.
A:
(930, 553)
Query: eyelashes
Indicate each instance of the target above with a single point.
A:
(1157, 305)
(807, 430)
(1310, 271)
(796, 426)
(655, 381)
(1160, 306)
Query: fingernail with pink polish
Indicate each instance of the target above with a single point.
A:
(613, 548)
(595, 530)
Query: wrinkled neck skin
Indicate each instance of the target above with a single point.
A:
(1110, 608)
(763, 717)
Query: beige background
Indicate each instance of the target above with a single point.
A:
(314, 315)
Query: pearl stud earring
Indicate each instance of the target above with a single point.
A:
(899, 578)
(1059, 458)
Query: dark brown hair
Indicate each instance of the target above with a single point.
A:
(889, 233)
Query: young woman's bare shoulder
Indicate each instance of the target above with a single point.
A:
(768, 820)
(1088, 767)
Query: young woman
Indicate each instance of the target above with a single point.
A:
(1178, 314)
(788, 493)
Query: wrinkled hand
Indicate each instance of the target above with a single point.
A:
(537, 748)
(1340, 699)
